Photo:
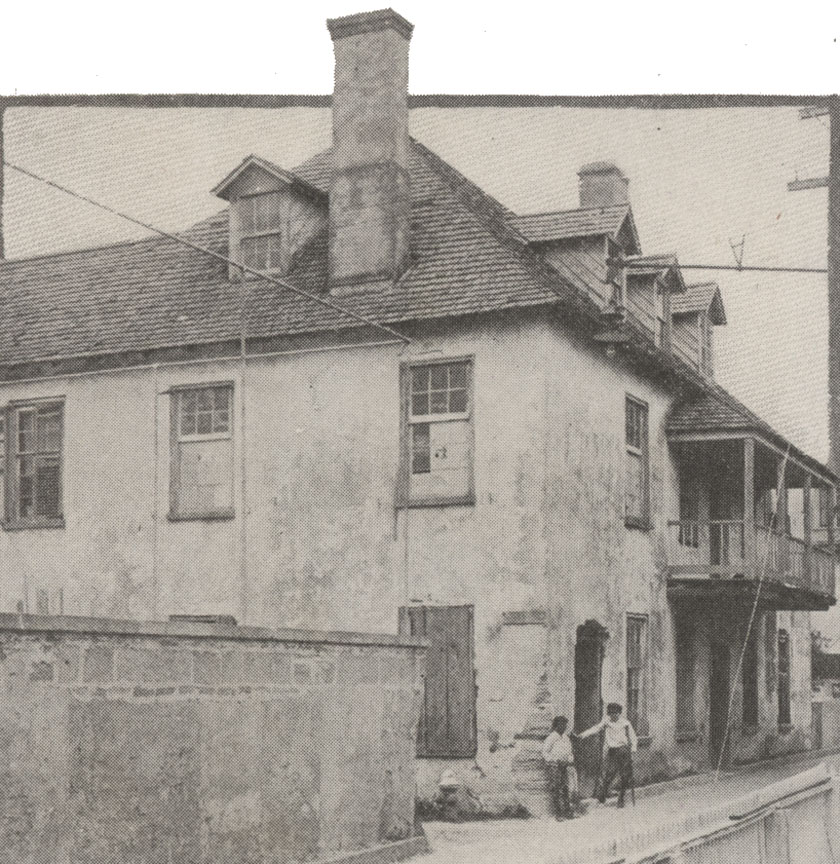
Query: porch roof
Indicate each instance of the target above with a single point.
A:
(718, 414)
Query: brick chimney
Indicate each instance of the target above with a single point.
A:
(369, 214)
(602, 184)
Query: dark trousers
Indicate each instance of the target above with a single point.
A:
(619, 762)
(558, 779)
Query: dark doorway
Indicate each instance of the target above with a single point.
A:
(718, 700)
(447, 727)
(589, 706)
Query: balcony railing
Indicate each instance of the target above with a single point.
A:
(717, 550)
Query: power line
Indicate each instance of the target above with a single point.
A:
(363, 319)
(631, 266)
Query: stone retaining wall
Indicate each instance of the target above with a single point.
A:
(146, 742)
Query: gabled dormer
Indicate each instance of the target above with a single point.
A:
(694, 314)
(273, 213)
(652, 281)
(583, 244)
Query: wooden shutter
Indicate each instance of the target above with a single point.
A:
(447, 720)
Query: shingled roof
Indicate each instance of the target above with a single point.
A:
(701, 297)
(567, 224)
(156, 293)
(468, 255)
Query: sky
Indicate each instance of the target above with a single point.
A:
(698, 179)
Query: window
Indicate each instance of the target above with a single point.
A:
(637, 653)
(32, 438)
(685, 672)
(783, 673)
(438, 462)
(823, 507)
(636, 494)
(447, 727)
(749, 682)
(262, 239)
(201, 482)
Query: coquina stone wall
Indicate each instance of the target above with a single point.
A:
(158, 742)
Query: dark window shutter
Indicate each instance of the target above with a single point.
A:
(448, 721)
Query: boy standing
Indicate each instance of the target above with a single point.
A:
(621, 744)
(558, 757)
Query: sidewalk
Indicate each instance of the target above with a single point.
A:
(542, 841)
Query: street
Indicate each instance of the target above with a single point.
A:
(541, 841)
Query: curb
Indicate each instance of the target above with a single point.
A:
(651, 790)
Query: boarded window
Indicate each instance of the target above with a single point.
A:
(438, 452)
(636, 492)
(262, 223)
(34, 447)
(447, 726)
(637, 661)
(685, 672)
(201, 483)
(749, 681)
(783, 666)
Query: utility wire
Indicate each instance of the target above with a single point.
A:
(280, 283)
(630, 265)
(761, 574)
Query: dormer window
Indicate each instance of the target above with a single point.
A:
(273, 213)
(262, 244)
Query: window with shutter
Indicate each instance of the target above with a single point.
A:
(783, 673)
(447, 727)
(685, 675)
(637, 658)
(637, 487)
(437, 427)
(201, 479)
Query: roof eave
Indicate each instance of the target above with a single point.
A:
(291, 179)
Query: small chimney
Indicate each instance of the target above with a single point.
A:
(369, 213)
(602, 184)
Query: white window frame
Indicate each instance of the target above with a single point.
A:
(245, 234)
(406, 496)
(177, 511)
(13, 520)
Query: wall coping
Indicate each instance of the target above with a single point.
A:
(91, 626)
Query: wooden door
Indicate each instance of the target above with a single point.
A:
(718, 700)
(447, 726)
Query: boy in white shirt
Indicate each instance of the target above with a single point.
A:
(558, 757)
(621, 743)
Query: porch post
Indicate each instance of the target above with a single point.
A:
(806, 518)
(749, 508)
(781, 515)
(832, 522)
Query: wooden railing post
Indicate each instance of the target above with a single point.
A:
(781, 517)
(749, 509)
(807, 564)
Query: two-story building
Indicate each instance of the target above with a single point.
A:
(532, 466)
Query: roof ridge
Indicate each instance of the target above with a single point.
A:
(570, 210)
(473, 197)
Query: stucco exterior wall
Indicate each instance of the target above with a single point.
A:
(325, 546)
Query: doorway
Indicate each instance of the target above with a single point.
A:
(718, 700)
(589, 704)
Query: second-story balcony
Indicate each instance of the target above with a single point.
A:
(791, 575)
(746, 522)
